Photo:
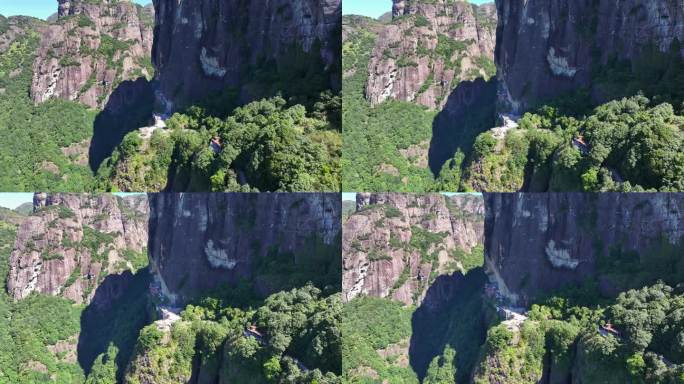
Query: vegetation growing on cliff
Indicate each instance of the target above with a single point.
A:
(295, 338)
(28, 327)
(634, 338)
(374, 137)
(376, 335)
(266, 145)
(624, 145)
(47, 338)
(32, 152)
(632, 143)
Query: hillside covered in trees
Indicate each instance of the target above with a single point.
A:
(566, 109)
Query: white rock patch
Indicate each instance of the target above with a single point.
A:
(210, 65)
(218, 258)
(559, 65)
(560, 258)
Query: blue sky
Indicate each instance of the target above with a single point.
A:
(36, 8)
(375, 8)
(13, 200)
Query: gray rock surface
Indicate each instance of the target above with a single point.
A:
(549, 47)
(201, 241)
(537, 243)
(204, 47)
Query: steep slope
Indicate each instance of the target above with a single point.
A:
(429, 48)
(90, 49)
(396, 245)
(372, 159)
(412, 286)
(604, 274)
(71, 243)
(196, 46)
(538, 243)
(417, 90)
(600, 85)
(56, 77)
(548, 48)
(247, 99)
(234, 237)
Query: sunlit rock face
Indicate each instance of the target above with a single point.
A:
(546, 48)
(428, 49)
(73, 241)
(378, 258)
(90, 49)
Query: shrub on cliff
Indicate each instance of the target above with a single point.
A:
(266, 145)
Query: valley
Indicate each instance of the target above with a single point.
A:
(514, 96)
(102, 289)
(553, 297)
(98, 99)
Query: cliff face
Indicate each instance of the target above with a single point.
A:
(206, 47)
(90, 49)
(73, 241)
(395, 245)
(202, 241)
(537, 243)
(547, 48)
(429, 48)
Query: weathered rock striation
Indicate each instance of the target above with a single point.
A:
(395, 245)
(199, 242)
(203, 48)
(547, 48)
(90, 49)
(429, 48)
(538, 243)
(73, 241)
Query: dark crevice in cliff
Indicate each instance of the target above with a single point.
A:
(453, 314)
(114, 317)
(469, 111)
(129, 107)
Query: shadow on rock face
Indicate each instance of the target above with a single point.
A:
(470, 110)
(452, 314)
(129, 107)
(114, 317)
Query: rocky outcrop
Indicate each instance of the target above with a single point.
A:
(429, 48)
(73, 241)
(14, 27)
(538, 243)
(90, 49)
(202, 241)
(547, 48)
(207, 47)
(396, 245)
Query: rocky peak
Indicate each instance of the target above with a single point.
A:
(395, 245)
(90, 49)
(72, 241)
(548, 48)
(14, 27)
(429, 48)
(197, 43)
